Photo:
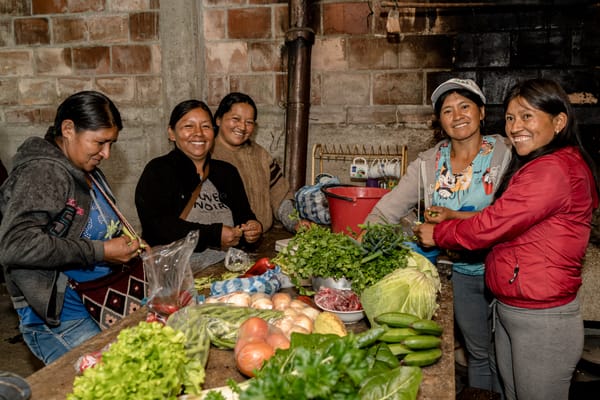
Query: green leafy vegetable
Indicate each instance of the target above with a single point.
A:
(411, 290)
(147, 361)
(332, 367)
(400, 383)
(318, 252)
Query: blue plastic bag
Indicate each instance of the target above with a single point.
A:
(266, 283)
(311, 202)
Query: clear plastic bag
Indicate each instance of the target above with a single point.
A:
(237, 260)
(170, 278)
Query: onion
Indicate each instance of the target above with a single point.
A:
(258, 295)
(281, 301)
(284, 324)
(253, 327)
(303, 321)
(298, 304)
(252, 356)
(290, 312)
(299, 329)
(311, 312)
(241, 299)
(262, 304)
(278, 340)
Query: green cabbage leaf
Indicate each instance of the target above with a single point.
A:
(412, 290)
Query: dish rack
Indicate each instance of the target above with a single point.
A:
(331, 153)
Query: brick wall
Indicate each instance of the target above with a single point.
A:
(367, 86)
(51, 49)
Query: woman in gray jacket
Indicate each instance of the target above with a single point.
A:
(454, 179)
(56, 226)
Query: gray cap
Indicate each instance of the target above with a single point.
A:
(456, 83)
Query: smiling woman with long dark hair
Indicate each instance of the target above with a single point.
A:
(186, 190)
(538, 230)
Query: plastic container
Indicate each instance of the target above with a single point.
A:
(430, 253)
(341, 283)
(350, 205)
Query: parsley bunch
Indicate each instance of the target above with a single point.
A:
(318, 252)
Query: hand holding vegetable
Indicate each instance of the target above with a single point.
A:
(424, 234)
(303, 224)
(252, 230)
(436, 214)
(230, 236)
(121, 249)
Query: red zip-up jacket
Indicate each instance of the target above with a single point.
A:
(538, 232)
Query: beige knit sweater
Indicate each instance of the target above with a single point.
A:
(263, 178)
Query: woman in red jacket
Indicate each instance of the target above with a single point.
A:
(538, 230)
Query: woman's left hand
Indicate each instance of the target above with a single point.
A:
(424, 234)
(252, 230)
(436, 214)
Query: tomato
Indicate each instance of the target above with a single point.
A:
(185, 298)
(163, 308)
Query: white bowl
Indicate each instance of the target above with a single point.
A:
(342, 283)
(347, 317)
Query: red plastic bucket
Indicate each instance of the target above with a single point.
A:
(350, 205)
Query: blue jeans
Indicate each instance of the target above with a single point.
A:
(48, 343)
(473, 315)
(538, 350)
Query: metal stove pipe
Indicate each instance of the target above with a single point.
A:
(299, 40)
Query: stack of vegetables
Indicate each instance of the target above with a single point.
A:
(384, 272)
(288, 348)
(383, 362)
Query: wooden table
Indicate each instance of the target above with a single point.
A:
(55, 381)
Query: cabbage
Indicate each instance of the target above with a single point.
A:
(410, 290)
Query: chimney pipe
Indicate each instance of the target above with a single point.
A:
(299, 40)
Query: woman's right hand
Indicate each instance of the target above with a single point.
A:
(121, 249)
(424, 234)
(230, 236)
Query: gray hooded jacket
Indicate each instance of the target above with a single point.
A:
(43, 190)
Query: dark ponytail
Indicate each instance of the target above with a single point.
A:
(89, 110)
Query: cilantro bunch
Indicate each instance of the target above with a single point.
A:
(318, 252)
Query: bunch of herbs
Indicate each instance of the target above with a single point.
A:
(319, 252)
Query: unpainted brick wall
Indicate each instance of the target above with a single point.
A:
(367, 86)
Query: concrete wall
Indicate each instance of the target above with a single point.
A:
(367, 86)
